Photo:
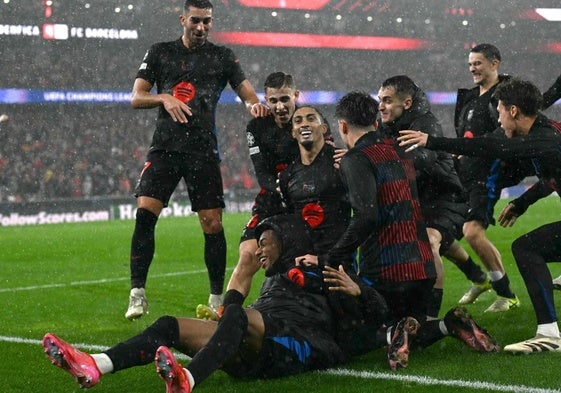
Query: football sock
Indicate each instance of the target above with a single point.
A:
(233, 297)
(472, 271)
(142, 247)
(215, 260)
(502, 287)
(428, 334)
(103, 363)
(223, 344)
(435, 302)
(141, 349)
(548, 329)
(496, 275)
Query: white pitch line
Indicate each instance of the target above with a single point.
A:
(95, 282)
(418, 379)
(487, 386)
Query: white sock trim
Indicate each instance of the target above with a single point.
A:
(190, 378)
(549, 330)
(103, 362)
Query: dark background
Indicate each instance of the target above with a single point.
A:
(59, 150)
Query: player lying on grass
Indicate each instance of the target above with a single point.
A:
(288, 330)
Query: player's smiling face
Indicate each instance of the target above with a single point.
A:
(482, 69)
(196, 24)
(282, 103)
(391, 107)
(307, 127)
(268, 252)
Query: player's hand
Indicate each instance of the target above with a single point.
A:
(339, 153)
(306, 260)
(413, 139)
(340, 281)
(508, 216)
(259, 110)
(177, 109)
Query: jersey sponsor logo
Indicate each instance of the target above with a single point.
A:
(280, 167)
(313, 214)
(184, 91)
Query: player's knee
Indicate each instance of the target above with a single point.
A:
(473, 232)
(166, 328)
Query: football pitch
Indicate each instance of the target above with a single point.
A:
(73, 280)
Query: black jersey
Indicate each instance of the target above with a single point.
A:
(542, 147)
(317, 193)
(199, 75)
(271, 149)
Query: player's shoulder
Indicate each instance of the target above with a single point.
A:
(220, 49)
(261, 125)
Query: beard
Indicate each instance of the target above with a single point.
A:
(308, 145)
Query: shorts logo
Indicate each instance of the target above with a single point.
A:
(146, 166)
(313, 214)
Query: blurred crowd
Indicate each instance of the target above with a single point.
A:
(86, 150)
(74, 151)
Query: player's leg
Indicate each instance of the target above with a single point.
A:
(204, 184)
(435, 300)
(473, 272)
(475, 233)
(139, 350)
(239, 284)
(532, 252)
(479, 218)
(157, 182)
(238, 337)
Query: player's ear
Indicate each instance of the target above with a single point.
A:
(408, 103)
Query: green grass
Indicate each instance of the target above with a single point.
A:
(73, 280)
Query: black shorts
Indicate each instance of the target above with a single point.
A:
(481, 204)
(448, 218)
(163, 170)
(286, 352)
(406, 299)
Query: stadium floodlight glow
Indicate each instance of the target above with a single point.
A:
(550, 14)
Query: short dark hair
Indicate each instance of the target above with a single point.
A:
(403, 85)
(489, 51)
(357, 108)
(523, 94)
(327, 133)
(202, 4)
(278, 79)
